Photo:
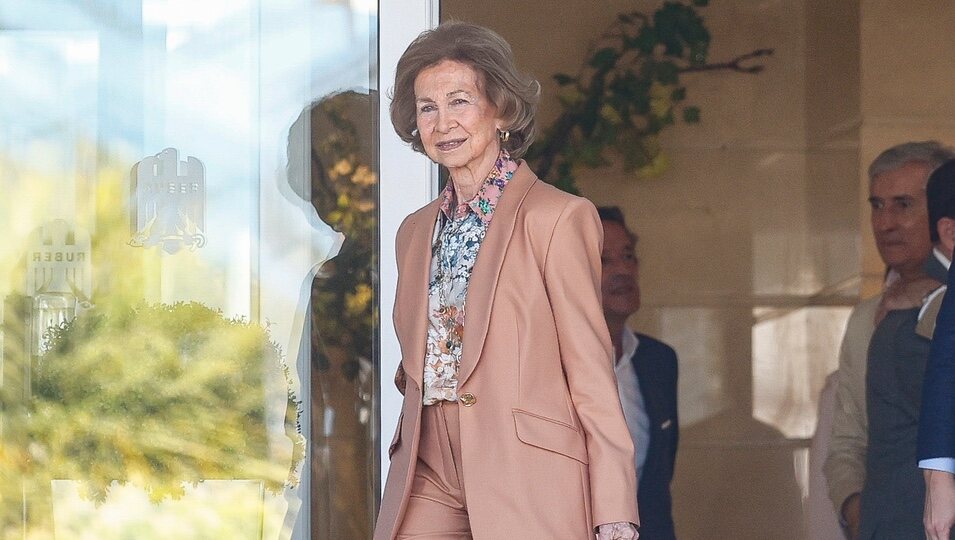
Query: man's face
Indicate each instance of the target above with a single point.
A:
(900, 216)
(619, 286)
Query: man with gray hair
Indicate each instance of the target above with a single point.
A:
(899, 220)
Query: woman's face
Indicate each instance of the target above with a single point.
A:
(457, 123)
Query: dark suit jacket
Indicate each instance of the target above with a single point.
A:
(937, 422)
(656, 366)
(894, 493)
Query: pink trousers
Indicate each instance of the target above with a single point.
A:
(437, 508)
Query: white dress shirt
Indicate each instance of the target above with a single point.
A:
(634, 409)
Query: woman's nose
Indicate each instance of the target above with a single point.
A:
(446, 122)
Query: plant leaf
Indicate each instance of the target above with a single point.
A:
(691, 115)
(563, 79)
(604, 58)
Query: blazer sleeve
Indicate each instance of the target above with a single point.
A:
(572, 278)
(401, 246)
(844, 467)
(937, 422)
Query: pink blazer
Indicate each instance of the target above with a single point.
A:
(545, 448)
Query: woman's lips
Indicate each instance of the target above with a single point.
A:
(447, 146)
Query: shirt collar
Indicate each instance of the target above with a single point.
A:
(485, 201)
(941, 258)
(628, 344)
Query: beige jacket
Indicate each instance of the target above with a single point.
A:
(845, 464)
(545, 448)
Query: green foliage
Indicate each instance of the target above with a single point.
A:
(627, 91)
(345, 193)
(691, 115)
(154, 396)
(343, 310)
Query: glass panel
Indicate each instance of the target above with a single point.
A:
(189, 272)
(793, 352)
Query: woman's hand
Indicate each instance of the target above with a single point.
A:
(620, 530)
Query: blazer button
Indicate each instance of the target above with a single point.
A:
(467, 399)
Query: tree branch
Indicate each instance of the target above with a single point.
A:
(735, 64)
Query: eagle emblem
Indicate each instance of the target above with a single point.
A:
(169, 202)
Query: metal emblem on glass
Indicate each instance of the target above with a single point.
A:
(168, 202)
(59, 276)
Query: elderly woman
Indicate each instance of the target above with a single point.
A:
(511, 425)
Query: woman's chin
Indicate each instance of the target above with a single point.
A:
(452, 164)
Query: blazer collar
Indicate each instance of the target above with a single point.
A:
(487, 269)
(413, 324)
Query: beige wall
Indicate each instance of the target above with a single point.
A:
(754, 242)
(908, 74)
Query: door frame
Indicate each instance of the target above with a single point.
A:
(408, 181)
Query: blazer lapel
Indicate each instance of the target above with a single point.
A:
(650, 386)
(487, 269)
(412, 294)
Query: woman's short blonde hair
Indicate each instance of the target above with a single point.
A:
(514, 94)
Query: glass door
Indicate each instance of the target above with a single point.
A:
(190, 268)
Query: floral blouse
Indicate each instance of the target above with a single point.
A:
(458, 234)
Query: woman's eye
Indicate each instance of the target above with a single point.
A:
(459, 101)
(426, 108)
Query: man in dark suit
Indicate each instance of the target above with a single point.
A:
(646, 379)
(893, 494)
(936, 436)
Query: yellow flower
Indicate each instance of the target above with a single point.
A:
(658, 90)
(660, 107)
(655, 168)
(610, 114)
(661, 99)
(570, 95)
(364, 176)
(357, 301)
(365, 205)
(342, 168)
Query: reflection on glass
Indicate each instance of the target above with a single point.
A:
(58, 277)
(169, 202)
(182, 369)
(793, 352)
(723, 445)
(51, 310)
(342, 184)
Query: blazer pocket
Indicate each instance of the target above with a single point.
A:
(396, 440)
(548, 434)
